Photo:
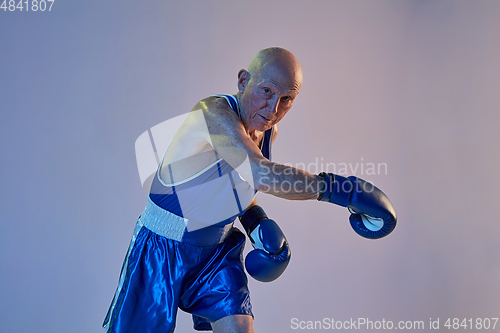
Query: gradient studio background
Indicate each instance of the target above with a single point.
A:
(413, 84)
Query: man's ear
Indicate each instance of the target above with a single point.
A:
(243, 78)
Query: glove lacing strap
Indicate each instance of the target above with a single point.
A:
(325, 187)
(336, 189)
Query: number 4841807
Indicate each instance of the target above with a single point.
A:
(36, 5)
(477, 324)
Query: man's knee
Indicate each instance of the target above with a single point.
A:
(234, 324)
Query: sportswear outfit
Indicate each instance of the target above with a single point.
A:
(185, 252)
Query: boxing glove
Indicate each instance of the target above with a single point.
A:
(372, 214)
(271, 253)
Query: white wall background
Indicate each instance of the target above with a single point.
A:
(413, 84)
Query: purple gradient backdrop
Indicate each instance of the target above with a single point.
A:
(413, 84)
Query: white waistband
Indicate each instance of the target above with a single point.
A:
(163, 222)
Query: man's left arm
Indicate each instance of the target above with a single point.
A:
(271, 253)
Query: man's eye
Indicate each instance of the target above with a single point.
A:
(266, 90)
(287, 98)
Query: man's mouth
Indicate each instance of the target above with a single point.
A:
(264, 118)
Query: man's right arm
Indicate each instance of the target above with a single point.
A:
(372, 214)
(227, 135)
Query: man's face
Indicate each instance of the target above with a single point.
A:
(267, 97)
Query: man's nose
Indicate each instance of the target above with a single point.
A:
(272, 104)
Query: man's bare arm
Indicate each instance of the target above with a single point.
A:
(228, 137)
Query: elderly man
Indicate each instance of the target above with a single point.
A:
(185, 252)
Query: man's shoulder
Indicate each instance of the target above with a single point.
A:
(212, 103)
(216, 108)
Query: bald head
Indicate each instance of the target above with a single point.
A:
(278, 62)
(268, 88)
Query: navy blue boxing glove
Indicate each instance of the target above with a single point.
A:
(372, 214)
(271, 253)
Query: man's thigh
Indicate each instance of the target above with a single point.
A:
(234, 324)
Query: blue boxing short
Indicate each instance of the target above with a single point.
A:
(160, 275)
